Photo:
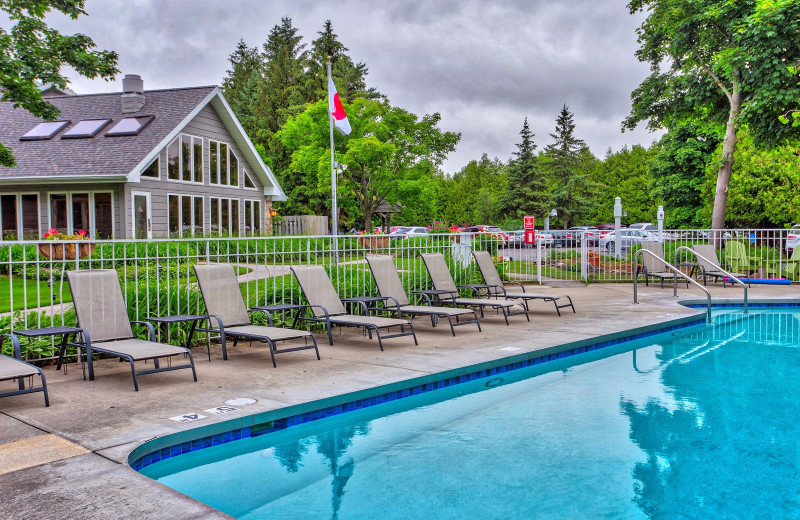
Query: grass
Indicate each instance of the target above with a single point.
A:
(29, 294)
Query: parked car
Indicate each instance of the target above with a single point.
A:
(563, 238)
(608, 227)
(492, 231)
(628, 238)
(518, 238)
(792, 239)
(592, 234)
(644, 226)
(416, 231)
(399, 232)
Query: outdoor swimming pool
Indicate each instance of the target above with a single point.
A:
(696, 423)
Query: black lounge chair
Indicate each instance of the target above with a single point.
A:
(14, 368)
(225, 305)
(446, 292)
(326, 307)
(391, 289)
(496, 288)
(100, 310)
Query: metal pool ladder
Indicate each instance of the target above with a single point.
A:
(701, 257)
(675, 290)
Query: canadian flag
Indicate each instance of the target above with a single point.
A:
(336, 109)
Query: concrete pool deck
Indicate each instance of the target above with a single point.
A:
(73, 455)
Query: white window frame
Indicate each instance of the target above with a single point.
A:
(180, 211)
(246, 174)
(18, 210)
(239, 167)
(179, 138)
(240, 212)
(253, 216)
(92, 218)
(158, 170)
(148, 196)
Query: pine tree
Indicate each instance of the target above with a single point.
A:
(245, 61)
(527, 188)
(572, 190)
(349, 77)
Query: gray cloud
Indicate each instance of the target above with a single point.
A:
(483, 65)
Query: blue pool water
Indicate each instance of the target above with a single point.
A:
(698, 423)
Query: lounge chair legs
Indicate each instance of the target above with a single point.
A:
(133, 373)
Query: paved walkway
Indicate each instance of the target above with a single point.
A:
(79, 446)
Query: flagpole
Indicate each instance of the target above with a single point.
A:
(334, 215)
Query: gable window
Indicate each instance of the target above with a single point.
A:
(92, 212)
(252, 217)
(224, 165)
(225, 216)
(152, 170)
(248, 181)
(185, 159)
(185, 215)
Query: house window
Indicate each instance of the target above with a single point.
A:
(224, 165)
(19, 216)
(185, 214)
(225, 216)
(252, 217)
(152, 170)
(92, 212)
(248, 181)
(185, 159)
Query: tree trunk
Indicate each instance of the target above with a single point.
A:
(726, 166)
(368, 219)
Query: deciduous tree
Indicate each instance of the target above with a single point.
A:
(32, 52)
(720, 61)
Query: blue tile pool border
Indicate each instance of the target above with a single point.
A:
(143, 456)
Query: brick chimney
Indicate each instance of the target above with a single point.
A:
(132, 93)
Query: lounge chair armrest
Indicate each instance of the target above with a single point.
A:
(14, 342)
(324, 310)
(517, 283)
(440, 294)
(150, 328)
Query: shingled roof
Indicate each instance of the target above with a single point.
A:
(99, 156)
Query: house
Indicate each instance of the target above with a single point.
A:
(135, 163)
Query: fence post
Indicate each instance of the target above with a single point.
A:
(538, 260)
(584, 258)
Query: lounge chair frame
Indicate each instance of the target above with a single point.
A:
(707, 269)
(495, 287)
(341, 318)
(260, 333)
(650, 266)
(401, 302)
(106, 344)
(447, 292)
(29, 371)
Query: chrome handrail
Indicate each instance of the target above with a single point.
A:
(730, 275)
(677, 272)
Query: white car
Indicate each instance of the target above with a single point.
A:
(628, 238)
(792, 239)
(518, 238)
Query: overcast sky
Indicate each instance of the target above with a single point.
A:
(484, 66)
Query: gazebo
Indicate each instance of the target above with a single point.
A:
(385, 211)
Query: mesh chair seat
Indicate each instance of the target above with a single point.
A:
(429, 309)
(491, 302)
(138, 349)
(273, 333)
(378, 321)
(11, 368)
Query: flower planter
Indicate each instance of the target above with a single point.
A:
(61, 251)
(374, 242)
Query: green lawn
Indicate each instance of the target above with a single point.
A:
(29, 293)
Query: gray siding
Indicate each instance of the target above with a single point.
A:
(208, 126)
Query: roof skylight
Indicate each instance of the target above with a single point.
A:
(130, 126)
(86, 128)
(44, 131)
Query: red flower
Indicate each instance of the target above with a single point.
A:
(52, 231)
(82, 233)
(46, 235)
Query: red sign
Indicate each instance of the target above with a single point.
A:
(528, 220)
(530, 236)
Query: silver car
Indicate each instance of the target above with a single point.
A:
(627, 238)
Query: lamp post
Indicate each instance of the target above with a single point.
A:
(660, 217)
(552, 213)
